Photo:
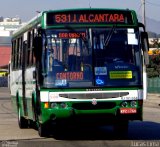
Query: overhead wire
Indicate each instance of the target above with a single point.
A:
(139, 7)
(153, 4)
(148, 3)
(138, 10)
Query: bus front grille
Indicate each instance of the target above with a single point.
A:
(98, 95)
(90, 106)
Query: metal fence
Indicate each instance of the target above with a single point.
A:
(154, 85)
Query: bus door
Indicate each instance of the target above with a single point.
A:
(24, 100)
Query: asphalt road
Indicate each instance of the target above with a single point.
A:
(145, 133)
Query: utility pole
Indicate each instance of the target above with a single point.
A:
(143, 12)
(89, 4)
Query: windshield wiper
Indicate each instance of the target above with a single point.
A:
(109, 36)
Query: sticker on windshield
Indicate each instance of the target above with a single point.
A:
(132, 37)
(61, 82)
(100, 70)
(120, 74)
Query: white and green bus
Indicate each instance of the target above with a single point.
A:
(79, 66)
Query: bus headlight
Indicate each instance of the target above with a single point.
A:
(124, 104)
(63, 105)
(133, 103)
(53, 105)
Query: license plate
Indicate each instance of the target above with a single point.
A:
(128, 110)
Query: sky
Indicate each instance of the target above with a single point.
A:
(27, 9)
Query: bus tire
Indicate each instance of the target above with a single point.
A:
(42, 130)
(22, 122)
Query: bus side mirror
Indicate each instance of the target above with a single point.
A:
(145, 46)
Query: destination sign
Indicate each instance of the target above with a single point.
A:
(88, 17)
(71, 35)
(70, 76)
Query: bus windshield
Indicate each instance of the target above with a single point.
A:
(92, 57)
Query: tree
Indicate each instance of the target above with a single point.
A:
(153, 69)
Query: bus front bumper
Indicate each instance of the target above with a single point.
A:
(76, 113)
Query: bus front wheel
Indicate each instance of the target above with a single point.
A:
(42, 130)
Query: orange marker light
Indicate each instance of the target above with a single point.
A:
(46, 105)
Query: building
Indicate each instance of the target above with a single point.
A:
(7, 27)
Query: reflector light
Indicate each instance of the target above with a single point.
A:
(46, 105)
(140, 102)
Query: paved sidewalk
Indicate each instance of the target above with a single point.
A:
(4, 92)
(153, 100)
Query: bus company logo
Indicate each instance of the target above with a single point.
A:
(94, 101)
(93, 89)
(121, 67)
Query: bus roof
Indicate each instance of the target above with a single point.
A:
(81, 9)
(41, 18)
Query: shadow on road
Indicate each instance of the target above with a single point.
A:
(137, 131)
(145, 130)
